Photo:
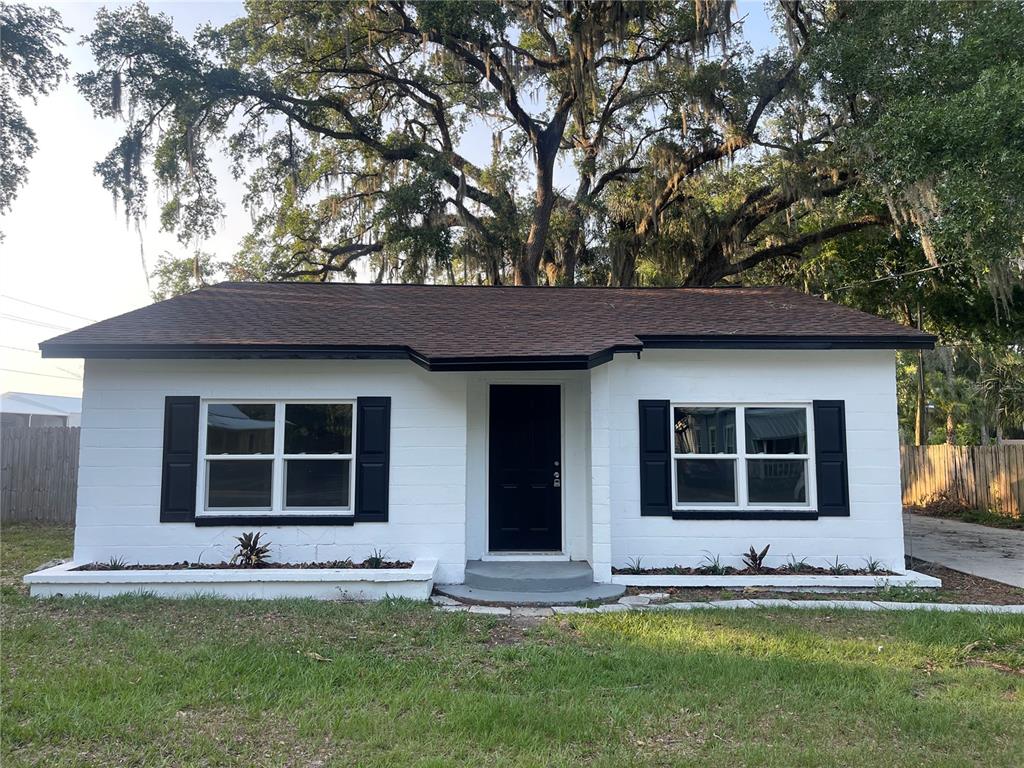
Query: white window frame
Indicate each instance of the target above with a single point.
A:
(277, 507)
(740, 457)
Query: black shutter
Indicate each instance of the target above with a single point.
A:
(655, 458)
(373, 458)
(830, 458)
(180, 461)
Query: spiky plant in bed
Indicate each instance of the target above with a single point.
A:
(754, 560)
(838, 569)
(633, 566)
(712, 565)
(376, 559)
(797, 566)
(250, 552)
(873, 566)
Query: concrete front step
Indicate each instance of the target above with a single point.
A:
(523, 576)
(518, 582)
(591, 593)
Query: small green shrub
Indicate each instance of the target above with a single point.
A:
(797, 566)
(376, 559)
(754, 560)
(633, 566)
(713, 565)
(838, 569)
(250, 553)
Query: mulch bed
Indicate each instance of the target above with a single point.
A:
(785, 570)
(956, 588)
(186, 566)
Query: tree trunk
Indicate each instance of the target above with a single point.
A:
(950, 428)
(540, 221)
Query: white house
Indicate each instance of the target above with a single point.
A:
(465, 424)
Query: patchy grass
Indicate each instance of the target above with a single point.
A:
(138, 681)
(23, 548)
(953, 511)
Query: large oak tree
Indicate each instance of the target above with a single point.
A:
(642, 142)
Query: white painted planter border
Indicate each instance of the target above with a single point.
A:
(415, 583)
(905, 579)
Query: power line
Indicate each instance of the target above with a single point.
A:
(33, 373)
(30, 321)
(50, 309)
(20, 349)
(888, 277)
(76, 374)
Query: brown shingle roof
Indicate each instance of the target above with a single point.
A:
(483, 327)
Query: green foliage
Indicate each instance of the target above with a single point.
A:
(376, 559)
(713, 565)
(873, 566)
(175, 276)
(838, 569)
(634, 566)
(30, 39)
(250, 552)
(973, 392)
(874, 158)
(753, 559)
(793, 565)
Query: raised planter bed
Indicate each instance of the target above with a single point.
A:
(67, 579)
(788, 581)
(341, 565)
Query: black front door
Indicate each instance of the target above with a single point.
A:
(525, 468)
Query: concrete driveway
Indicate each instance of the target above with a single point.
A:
(992, 553)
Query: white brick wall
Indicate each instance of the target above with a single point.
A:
(122, 438)
(865, 380)
(438, 440)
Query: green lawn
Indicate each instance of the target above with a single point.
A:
(201, 682)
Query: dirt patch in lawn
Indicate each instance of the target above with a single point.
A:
(960, 587)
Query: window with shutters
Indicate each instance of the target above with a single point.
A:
(276, 457)
(751, 456)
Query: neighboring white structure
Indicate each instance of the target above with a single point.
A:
(551, 436)
(28, 409)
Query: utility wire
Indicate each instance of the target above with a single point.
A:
(30, 321)
(50, 309)
(888, 277)
(33, 373)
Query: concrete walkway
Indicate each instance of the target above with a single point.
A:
(992, 553)
(659, 602)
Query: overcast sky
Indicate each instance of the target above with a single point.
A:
(68, 257)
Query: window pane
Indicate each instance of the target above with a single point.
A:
(239, 429)
(706, 480)
(705, 430)
(319, 428)
(317, 483)
(244, 484)
(777, 481)
(776, 430)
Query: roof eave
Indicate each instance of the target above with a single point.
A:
(473, 363)
(895, 341)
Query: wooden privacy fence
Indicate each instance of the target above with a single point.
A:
(979, 476)
(38, 474)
